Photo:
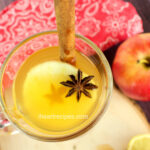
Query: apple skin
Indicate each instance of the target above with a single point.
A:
(132, 76)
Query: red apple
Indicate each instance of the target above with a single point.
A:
(131, 67)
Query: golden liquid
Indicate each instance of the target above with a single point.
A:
(40, 98)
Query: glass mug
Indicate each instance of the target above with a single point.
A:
(20, 54)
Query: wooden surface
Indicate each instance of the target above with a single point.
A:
(4, 3)
(121, 121)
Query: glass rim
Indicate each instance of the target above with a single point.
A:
(93, 122)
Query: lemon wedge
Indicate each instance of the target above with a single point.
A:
(140, 142)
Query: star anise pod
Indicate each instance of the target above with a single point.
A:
(79, 85)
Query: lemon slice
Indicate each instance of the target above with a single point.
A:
(140, 142)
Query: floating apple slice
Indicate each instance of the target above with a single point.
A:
(44, 96)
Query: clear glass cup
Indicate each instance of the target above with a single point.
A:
(18, 56)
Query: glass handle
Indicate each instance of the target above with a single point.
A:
(5, 126)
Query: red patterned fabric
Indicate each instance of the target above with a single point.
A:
(105, 22)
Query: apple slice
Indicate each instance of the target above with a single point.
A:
(43, 96)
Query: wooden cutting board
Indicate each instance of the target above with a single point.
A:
(121, 121)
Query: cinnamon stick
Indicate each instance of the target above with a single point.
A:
(65, 19)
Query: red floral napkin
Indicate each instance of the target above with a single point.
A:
(105, 22)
